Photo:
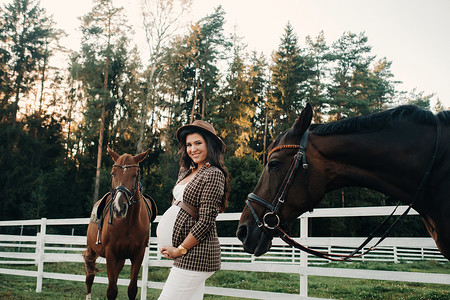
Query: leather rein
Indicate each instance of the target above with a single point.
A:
(271, 220)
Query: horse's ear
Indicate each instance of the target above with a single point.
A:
(111, 153)
(141, 157)
(304, 120)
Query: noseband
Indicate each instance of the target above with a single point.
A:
(271, 220)
(128, 194)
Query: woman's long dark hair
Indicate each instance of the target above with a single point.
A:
(215, 158)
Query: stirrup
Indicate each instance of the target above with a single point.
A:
(98, 242)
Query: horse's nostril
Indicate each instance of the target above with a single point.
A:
(242, 232)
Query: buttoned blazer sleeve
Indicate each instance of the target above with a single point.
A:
(210, 199)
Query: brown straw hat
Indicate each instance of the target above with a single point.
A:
(202, 126)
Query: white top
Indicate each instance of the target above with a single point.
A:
(178, 191)
(164, 230)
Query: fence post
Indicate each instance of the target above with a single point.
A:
(145, 265)
(303, 258)
(21, 234)
(73, 231)
(395, 255)
(145, 274)
(40, 245)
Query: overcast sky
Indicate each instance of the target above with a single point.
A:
(413, 34)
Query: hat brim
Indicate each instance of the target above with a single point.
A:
(198, 128)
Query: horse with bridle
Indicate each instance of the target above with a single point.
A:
(403, 153)
(119, 228)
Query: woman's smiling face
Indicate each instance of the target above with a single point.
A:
(197, 149)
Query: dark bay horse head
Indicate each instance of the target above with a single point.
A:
(258, 220)
(125, 181)
(401, 152)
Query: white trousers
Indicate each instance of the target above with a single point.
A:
(184, 284)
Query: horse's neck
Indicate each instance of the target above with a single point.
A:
(373, 160)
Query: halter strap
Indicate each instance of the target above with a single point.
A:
(126, 166)
(128, 194)
(281, 147)
(301, 146)
(271, 219)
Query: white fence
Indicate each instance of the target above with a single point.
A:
(44, 248)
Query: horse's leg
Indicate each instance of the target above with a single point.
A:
(135, 267)
(114, 266)
(89, 263)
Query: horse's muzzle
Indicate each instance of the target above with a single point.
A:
(254, 240)
(120, 205)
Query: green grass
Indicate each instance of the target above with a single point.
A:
(18, 287)
(425, 266)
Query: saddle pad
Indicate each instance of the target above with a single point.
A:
(98, 208)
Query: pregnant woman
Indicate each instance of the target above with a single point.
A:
(187, 231)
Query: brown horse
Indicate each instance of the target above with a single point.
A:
(125, 233)
(403, 153)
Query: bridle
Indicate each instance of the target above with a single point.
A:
(120, 188)
(128, 194)
(271, 220)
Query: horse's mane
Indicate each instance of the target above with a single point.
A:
(377, 121)
(444, 117)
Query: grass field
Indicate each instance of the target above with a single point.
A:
(18, 287)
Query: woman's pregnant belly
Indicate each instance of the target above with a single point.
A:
(164, 230)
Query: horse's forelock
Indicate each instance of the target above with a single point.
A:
(126, 159)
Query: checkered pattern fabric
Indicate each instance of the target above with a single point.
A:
(204, 191)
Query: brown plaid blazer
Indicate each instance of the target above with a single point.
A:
(204, 191)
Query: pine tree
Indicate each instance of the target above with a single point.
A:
(206, 44)
(419, 98)
(190, 73)
(380, 86)
(258, 86)
(318, 53)
(438, 107)
(238, 103)
(290, 72)
(25, 32)
(348, 92)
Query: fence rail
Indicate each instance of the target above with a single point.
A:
(45, 248)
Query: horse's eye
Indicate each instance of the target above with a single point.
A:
(273, 165)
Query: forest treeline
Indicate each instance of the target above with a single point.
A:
(57, 120)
